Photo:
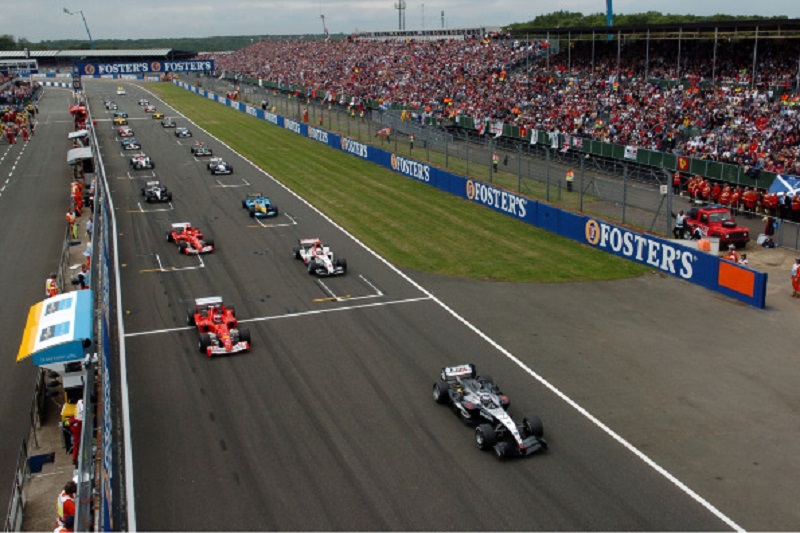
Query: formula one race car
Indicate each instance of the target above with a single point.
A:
(479, 403)
(190, 241)
(125, 132)
(168, 123)
(157, 115)
(142, 162)
(143, 102)
(319, 258)
(201, 150)
(120, 121)
(259, 206)
(120, 114)
(218, 327)
(130, 143)
(221, 168)
(182, 132)
(110, 105)
(153, 191)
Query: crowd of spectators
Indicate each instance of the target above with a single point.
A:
(657, 96)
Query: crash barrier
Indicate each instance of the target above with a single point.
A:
(16, 504)
(25, 463)
(114, 493)
(711, 272)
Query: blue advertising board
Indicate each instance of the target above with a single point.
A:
(145, 67)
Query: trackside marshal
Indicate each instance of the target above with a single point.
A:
(145, 67)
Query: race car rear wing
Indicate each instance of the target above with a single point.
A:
(208, 301)
(450, 373)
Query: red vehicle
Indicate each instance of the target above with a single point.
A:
(218, 327)
(717, 221)
(190, 241)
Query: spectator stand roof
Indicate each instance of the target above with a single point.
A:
(744, 29)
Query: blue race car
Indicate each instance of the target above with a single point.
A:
(130, 143)
(259, 206)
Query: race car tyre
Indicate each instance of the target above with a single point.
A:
(209, 242)
(152, 165)
(533, 426)
(182, 247)
(502, 450)
(485, 436)
(296, 252)
(148, 198)
(244, 334)
(342, 263)
(204, 342)
(190, 317)
(473, 371)
(440, 394)
(169, 237)
(276, 210)
(312, 267)
(244, 204)
(252, 213)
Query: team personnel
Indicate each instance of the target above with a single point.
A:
(50, 287)
(570, 178)
(680, 225)
(66, 503)
(796, 278)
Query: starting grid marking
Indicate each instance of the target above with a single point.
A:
(289, 315)
(244, 183)
(150, 175)
(260, 224)
(340, 298)
(162, 268)
(143, 210)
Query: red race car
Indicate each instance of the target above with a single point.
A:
(218, 327)
(190, 241)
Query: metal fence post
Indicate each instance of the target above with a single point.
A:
(466, 151)
(583, 172)
(624, 190)
(547, 174)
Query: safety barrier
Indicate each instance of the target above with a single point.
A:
(708, 271)
(16, 504)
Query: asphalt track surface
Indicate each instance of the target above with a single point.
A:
(34, 198)
(328, 424)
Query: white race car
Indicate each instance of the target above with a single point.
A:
(319, 258)
(141, 161)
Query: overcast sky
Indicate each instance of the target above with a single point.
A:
(38, 20)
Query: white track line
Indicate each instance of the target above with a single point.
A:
(569, 401)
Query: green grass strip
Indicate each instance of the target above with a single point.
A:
(413, 225)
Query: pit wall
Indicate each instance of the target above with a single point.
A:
(708, 271)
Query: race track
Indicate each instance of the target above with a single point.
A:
(328, 424)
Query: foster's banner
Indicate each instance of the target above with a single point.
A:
(145, 67)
